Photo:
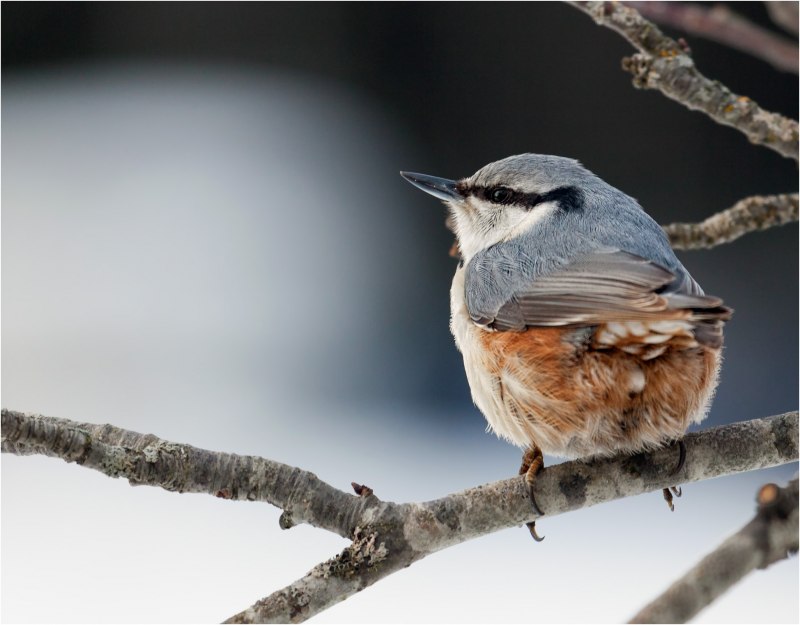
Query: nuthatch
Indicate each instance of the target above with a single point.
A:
(582, 333)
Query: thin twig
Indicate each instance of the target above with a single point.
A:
(771, 536)
(387, 536)
(751, 214)
(724, 26)
(663, 64)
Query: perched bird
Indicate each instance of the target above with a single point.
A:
(582, 333)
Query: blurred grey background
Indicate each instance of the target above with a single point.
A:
(204, 236)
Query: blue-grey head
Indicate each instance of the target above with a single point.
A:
(551, 201)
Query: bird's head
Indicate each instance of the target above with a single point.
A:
(508, 198)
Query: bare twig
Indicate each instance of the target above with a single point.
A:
(769, 537)
(722, 25)
(388, 536)
(784, 14)
(751, 214)
(663, 64)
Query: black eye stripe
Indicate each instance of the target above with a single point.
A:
(568, 198)
(506, 196)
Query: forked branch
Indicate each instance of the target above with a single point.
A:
(663, 64)
(388, 536)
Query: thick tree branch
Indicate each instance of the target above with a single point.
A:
(663, 64)
(724, 26)
(429, 527)
(771, 536)
(146, 459)
(388, 536)
(751, 214)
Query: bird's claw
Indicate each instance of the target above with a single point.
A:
(675, 490)
(532, 529)
(532, 463)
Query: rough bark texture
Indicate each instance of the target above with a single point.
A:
(718, 23)
(663, 64)
(146, 459)
(747, 215)
(388, 536)
(429, 527)
(771, 536)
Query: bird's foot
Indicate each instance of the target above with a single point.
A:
(675, 490)
(668, 492)
(532, 463)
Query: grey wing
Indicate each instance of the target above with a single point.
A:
(608, 285)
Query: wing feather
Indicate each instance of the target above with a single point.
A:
(609, 285)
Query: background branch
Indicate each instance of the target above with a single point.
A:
(751, 214)
(724, 26)
(665, 65)
(771, 536)
(784, 14)
(387, 536)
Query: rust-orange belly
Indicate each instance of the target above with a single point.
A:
(560, 389)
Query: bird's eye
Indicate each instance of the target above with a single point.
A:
(500, 195)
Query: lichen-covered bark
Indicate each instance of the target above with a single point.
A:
(771, 536)
(144, 459)
(724, 450)
(388, 536)
(663, 64)
(375, 553)
(748, 215)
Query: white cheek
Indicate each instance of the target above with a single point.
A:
(530, 219)
(476, 230)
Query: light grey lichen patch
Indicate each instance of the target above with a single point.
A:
(785, 438)
(152, 453)
(115, 462)
(298, 601)
(363, 554)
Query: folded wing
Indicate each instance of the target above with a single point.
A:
(610, 285)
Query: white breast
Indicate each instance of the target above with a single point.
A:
(485, 387)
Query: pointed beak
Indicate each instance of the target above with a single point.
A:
(442, 188)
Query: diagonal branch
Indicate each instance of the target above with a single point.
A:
(784, 14)
(724, 26)
(768, 538)
(147, 459)
(751, 214)
(387, 536)
(432, 526)
(663, 64)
